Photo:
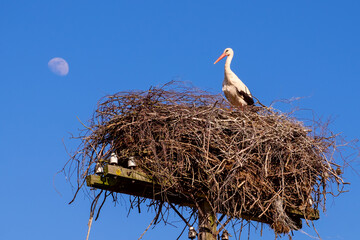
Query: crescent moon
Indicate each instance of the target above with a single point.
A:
(59, 66)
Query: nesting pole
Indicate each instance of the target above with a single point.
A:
(207, 222)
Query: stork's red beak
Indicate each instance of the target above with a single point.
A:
(221, 57)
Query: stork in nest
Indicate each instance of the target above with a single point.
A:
(236, 92)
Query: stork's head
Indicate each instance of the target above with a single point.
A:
(227, 52)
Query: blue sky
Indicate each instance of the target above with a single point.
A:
(283, 49)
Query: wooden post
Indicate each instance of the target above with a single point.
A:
(207, 222)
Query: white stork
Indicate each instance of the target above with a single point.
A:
(234, 89)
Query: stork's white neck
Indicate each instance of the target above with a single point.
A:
(228, 62)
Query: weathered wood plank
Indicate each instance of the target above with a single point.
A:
(111, 170)
(125, 184)
(310, 213)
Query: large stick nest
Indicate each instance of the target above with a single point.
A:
(257, 160)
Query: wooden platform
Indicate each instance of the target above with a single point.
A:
(124, 180)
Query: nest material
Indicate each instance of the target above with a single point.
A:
(257, 160)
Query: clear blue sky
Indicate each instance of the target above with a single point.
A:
(283, 49)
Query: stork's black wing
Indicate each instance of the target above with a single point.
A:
(247, 98)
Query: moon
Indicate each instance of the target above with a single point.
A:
(59, 66)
